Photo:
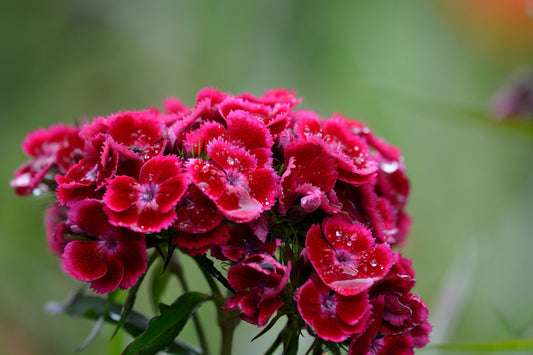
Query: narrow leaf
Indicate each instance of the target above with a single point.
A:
(505, 345)
(158, 285)
(268, 327)
(290, 342)
(92, 307)
(132, 295)
(93, 334)
(163, 329)
(207, 265)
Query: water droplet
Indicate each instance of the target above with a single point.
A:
(338, 233)
(230, 161)
(349, 244)
(373, 262)
(353, 237)
(389, 168)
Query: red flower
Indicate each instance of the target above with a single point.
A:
(111, 257)
(200, 243)
(243, 243)
(147, 205)
(234, 182)
(258, 281)
(311, 173)
(333, 316)
(59, 147)
(356, 165)
(371, 342)
(56, 226)
(347, 259)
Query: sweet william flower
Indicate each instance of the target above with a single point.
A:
(147, 204)
(333, 316)
(311, 173)
(234, 182)
(258, 281)
(264, 188)
(58, 147)
(108, 257)
(346, 258)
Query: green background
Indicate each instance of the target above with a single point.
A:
(397, 65)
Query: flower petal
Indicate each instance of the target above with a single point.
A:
(121, 193)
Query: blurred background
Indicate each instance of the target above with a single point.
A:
(420, 73)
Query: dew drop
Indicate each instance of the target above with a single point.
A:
(373, 262)
(349, 244)
(389, 168)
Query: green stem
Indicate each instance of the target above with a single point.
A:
(227, 321)
(177, 269)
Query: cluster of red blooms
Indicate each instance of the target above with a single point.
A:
(307, 210)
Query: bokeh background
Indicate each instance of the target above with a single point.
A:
(420, 73)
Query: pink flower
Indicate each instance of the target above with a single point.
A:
(110, 257)
(333, 316)
(59, 147)
(147, 204)
(234, 182)
(258, 281)
(346, 259)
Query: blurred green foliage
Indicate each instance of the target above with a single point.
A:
(396, 65)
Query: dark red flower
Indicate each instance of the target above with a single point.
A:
(258, 281)
(196, 213)
(110, 257)
(346, 259)
(200, 243)
(147, 205)
(371, 342)
(56, 226)
(333, 316)
(243, 243)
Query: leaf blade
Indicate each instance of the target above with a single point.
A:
(162, 330)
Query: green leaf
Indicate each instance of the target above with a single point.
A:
(163, 329)
(158, 285)
(290, 342)
(132, 295)
(92, 307)
(207, 266)
(505, 345)
(268, 327)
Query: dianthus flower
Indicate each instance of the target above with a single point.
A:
(303, 214)
(258, 281)
(108, 257)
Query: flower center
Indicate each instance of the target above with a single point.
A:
(148, 192)
(233, 177)
(344, 257)
(329, 304)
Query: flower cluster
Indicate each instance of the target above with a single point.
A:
(307, 212)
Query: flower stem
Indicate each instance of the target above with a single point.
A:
(177, 269)
(227, 321)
